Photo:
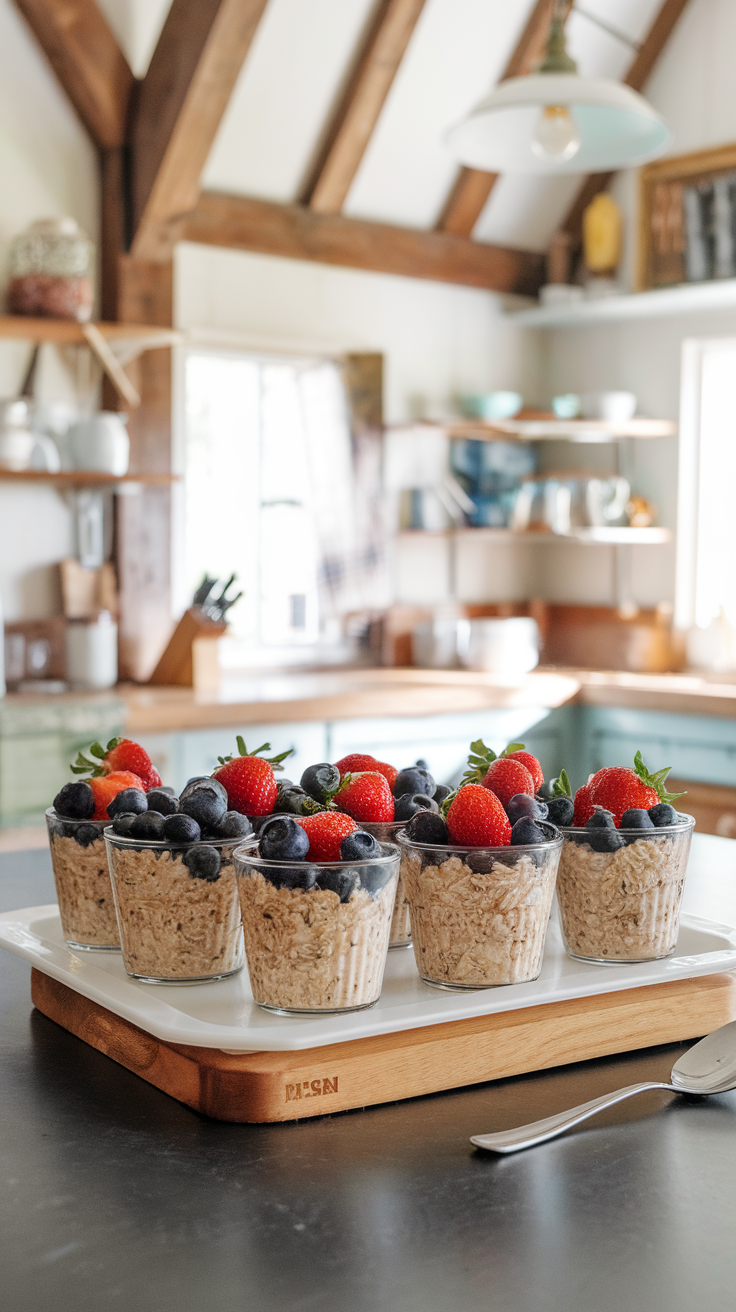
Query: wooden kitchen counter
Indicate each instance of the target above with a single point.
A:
(347, 694)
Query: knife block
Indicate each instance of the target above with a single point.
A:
(190, 659)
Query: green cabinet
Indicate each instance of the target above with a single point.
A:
(39, 739)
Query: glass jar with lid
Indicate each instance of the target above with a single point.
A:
(51, 268)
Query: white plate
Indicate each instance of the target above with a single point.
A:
(224, 1015)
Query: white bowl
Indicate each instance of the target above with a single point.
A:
(615, 407)
(499, 646)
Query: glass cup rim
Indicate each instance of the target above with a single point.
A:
(163, 845)
(52, 814)
(384, 859)
(551, 845)
(664, 830)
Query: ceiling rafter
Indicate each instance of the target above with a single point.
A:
(88, 62)
(637, 76)
(357, 115)
(179, 107)
(472, 187)
(297, 232)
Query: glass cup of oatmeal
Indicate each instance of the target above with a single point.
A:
(385, 831)
(177, 908)
(623, 905)
(316, 933)
(82, 877)
(479, 914)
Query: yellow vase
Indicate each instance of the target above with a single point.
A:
(602, 234)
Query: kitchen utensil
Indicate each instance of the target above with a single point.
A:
(17, 439)
(614, 407)
(45, 454)
(492, 405)
(92, 652)
(605, 499)
(708, 1067)
(100, 444)
(562, 503)
(507, 645)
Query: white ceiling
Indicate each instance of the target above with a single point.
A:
(297, 67)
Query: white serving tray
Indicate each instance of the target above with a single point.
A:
(224, 1015)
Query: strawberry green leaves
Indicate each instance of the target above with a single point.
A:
(83, 765)
(561, 786)
(481, 757)
(656, 780)
(274, 761)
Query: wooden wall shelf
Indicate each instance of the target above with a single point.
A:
(613, 536)
(83, 478)
(128, 340)
(549, 430)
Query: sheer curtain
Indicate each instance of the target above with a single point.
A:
(283, 486)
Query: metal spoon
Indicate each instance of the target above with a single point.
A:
(708, 1067)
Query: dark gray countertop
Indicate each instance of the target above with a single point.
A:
(115, 1196)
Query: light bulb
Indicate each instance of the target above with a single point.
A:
(556, 136)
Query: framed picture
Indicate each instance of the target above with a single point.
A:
(687, 218)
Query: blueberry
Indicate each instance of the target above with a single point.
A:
(127, 800)
(414, 780)
(149, 825)
(636, 818)
(525, 830)
(663, 814)
(204, 804)
(603, 835)
(546, 792)
(427, 827)
(294, 801)
(342, 882)
(86, 834)
(440, 793)
(203, 862)
(284, 840)
(375, 877)
(282, 782)
(75, 801)
(160, 799)
(181, 829)
(522, 804)
(561, 811)
(359, 846)
(421, 764)
(409, 803)
(204, 781)
(302, 876)
(233, 825)
(122, 824)
(166, 788)
(320, 781)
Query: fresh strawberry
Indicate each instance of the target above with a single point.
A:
(120, 754)
(584, 807)
(325, 832)
(358, 763)
(532, 765)
(477, 818)
(107, 786)
(366, 797)
(506, 778)
(249, 779)
(617, 788)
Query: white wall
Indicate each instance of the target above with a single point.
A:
(48, 168)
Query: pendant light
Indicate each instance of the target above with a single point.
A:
(554, 121)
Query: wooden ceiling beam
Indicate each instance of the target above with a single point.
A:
(361, 104)
(637, 76)
(296, 232)
(179, 107)
(473, 186)
(86, 58)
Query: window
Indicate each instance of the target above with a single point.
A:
(706, 550)
(275, 491)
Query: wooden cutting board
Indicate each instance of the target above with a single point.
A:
(285, 1086)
